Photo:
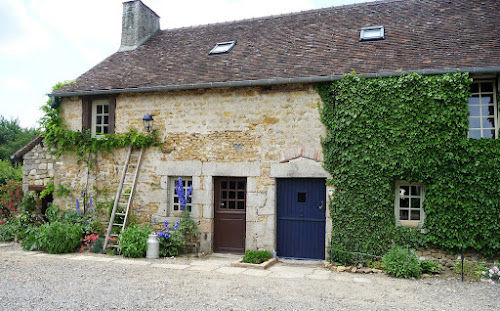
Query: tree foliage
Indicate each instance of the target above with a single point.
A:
(13, 137)
(411, 128)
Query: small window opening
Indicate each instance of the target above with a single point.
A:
(223, 47)
(301, 197)
(372, 33)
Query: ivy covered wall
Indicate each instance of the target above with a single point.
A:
(412, 128)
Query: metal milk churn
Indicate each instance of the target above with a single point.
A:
(153, 251)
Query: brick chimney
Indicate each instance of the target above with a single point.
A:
(139, 23)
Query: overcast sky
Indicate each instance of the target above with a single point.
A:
(43, 42)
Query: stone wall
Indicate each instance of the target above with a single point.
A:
(38, 166)
(258, 133)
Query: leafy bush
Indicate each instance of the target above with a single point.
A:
(133, 241)
(401, 263)
(8, 230)
(170, 239)
(472, 270)
(30, 239)
(430, 267)
(59, 237)
(256, 257)
(8, 172)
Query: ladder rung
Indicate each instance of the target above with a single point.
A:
(119, 214)
(114, 235)
(113, 245)
(119, 225)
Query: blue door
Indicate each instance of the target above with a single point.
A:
(301, 218)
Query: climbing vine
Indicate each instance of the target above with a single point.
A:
(62, 140)
(412, 128)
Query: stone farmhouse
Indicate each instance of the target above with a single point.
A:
(237, 107)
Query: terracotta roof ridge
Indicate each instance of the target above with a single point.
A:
(283, 15)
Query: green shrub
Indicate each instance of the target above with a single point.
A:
(472, 270)
(8, 230)
(30, 238)
(401, 263)
(430, 267)
(59, 237)
(133, 241)
(256, 257)
(170, 239)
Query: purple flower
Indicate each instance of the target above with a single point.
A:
(77, 206)
(179, 190)
(90, 204)
(176, 226)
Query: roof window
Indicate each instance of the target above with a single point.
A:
(223, 47)
(372, 33)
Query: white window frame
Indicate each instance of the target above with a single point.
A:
(222, 47)
(397, 210)
(186, 181)
(480, 93)
(363, 34)
(94, 125)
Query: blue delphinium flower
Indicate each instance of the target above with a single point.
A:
(77, 206)
(90, 205)
(176, 226)
(179, 190)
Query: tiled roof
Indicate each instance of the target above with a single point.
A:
(420, 35)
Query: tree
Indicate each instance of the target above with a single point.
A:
(13, 137)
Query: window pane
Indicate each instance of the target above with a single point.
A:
(489, 133)
(490, 122)
(224, 194)
(106, 120)
(491, 111)
(241, 205)
(241, 195)
(475, 133)
(415, 215)
(474, 110)
(106, 108)
(404, 190)
(485, 100)
(474, 100)
(223, 185)
(105, 130)
(99, 109)
(415, 190)
(404, 202)
(474, 122)
(232, 205)
(99, 120)
(232, 195)
(403, 214)
(98, 129)
(474, 87)
(487, 87)
(415, 203)
(241, 185)
(232, 185)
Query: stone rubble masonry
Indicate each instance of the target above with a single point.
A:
(249, 132)
(38, 166)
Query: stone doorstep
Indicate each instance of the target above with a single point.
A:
(266, 264)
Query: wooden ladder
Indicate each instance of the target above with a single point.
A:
(123, 198)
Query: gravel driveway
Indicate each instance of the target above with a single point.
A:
(38, 281)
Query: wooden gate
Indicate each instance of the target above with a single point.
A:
(230, 214)
(301, 218)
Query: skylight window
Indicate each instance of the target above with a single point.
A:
(372, 33)
(223, 47)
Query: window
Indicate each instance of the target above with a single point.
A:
(409, 204)
(174, 198)
(223, 47)
(483, 112)
(98, 115)
(372, 33)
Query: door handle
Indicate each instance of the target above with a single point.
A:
(321, 205)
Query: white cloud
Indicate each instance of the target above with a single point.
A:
(14, 83)
(24, 35)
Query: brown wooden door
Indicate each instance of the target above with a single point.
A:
(230, 214)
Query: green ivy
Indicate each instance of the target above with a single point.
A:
(412, 128)
(63, 140)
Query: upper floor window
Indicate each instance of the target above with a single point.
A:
(483, 111)
(98, 115)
